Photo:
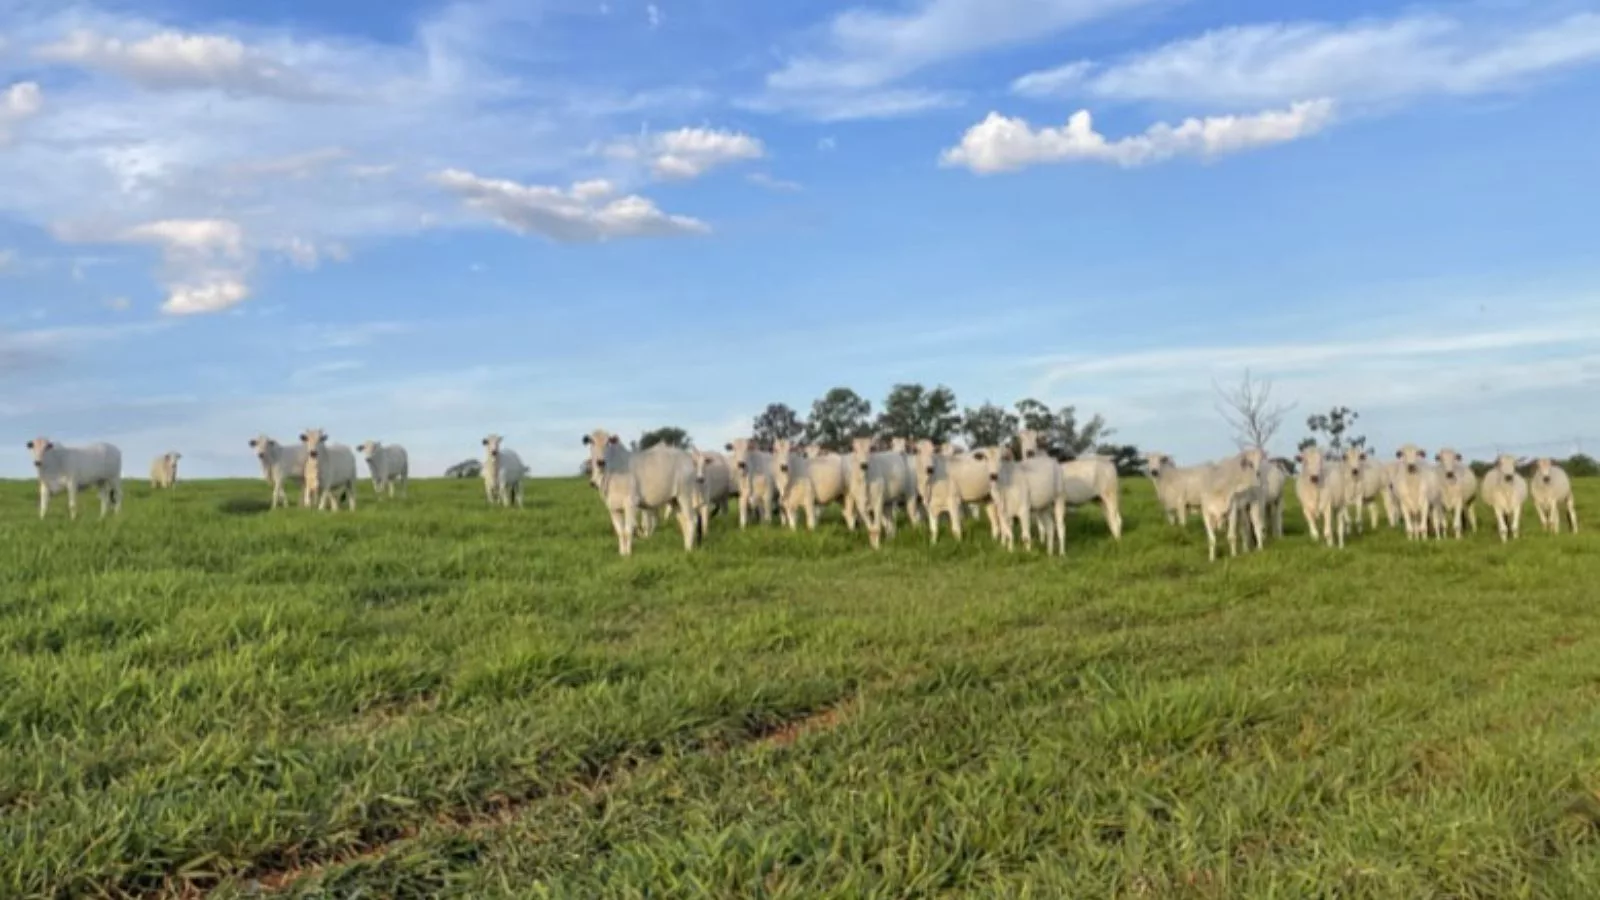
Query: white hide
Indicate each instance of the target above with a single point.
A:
(389, 467)
(71, 469)
(503, 472)
(279, 464)
(330, 470)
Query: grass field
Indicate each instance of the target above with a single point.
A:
(432, 697)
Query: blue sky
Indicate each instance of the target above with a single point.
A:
(422, 222)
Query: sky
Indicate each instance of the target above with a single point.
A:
(423, 222)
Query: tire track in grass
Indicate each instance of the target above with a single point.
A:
(500, 810)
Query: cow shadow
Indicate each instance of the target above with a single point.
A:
(243, 506)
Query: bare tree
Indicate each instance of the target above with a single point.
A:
(1249, 411)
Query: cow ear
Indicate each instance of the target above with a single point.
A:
(30, 445)
(302, 437)
(1299, 457)
(979, 455)
(252, 442)
(1422, 453)
(1363, 456)
(586, 441)
(614, 440)
(1399, 454)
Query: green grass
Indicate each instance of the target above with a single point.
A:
(432, 697)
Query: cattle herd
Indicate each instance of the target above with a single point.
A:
(1241, 495)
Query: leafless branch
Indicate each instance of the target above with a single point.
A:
(1249, 411)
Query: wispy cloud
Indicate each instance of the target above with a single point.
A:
(148, 123)
(586, 211)
(688, 152)
(1364, 61)
(862, 55)
(1001, 144)
(773, 183)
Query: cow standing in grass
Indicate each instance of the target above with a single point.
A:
(97, 465)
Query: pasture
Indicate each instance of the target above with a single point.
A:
(432, 697)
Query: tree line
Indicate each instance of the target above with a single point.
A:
(916, 412)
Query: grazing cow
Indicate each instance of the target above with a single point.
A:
(1024, 489)
(1231, 490)
(1418, 487)
(752, 470)
(809, 479)
(1505, 491)
(662, 476)
(1177, 487)
(1365, 481)
(503, 472)
(878, 482)
(97, 465)
(1457, 488)
(1323, 492)
(164, 470)
(1552, 489)
(330, 470)
(388, 465)
(278, 465)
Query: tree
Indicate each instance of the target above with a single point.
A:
(1127, 458)
(836, 418)
(669, 435)
(1249, 411)
(777, 423)
(1336, 424)
(989, 425)
(916, 413)
(1060, 435)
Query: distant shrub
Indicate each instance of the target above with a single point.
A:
(1480, 468)
(1581, 465)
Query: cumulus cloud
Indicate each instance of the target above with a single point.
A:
(185, 125)
(174, 60)
(205, 262)
(18, 103)
(1002, 144)
(585, 212)
(689, 152)
(864, 52)
(1369, 60)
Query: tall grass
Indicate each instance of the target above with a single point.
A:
(432, 697)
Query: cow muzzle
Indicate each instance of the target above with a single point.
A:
(1315, 479)
(1546, 479)
(1507, 478)
(783, 469)
(1449, 476)
(312, 454)
(1412, 468)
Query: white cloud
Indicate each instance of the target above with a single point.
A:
(587, 211)
(1001, 144)
(120, 152)
(772, 183)
(865, 51)
(205, 262)
(1368, 60)
(827, 144)
(174, 60)
(18, 103)
(652, 13)
(689, 152)
(215, 292)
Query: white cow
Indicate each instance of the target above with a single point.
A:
(1232, 490)
(1391, 496)
(97, 465)
(913, 502)
(1088, 478)
(1274, 478)
(278, 465)
(388, 465)
(753, 470)
(1419, 490)
(1506, 491)
(503, 472)
(1177, 487)
(330, 470)
(1023, 489)
(878, 482)
(164, 470)
(1552, 489)
(1323, 491)
(713, 481)
(1457, 489)
(1365, 481)
(947, 483)
(811, 479)
(662, 476)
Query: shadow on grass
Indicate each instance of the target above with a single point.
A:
(243, 506)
